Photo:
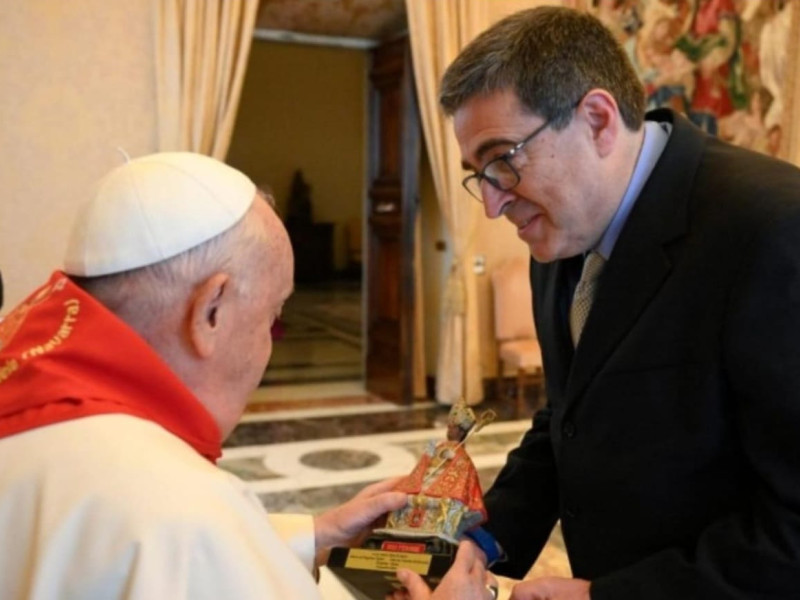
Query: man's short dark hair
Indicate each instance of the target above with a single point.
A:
(550, 57)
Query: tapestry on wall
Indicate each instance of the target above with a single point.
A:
(729, 65)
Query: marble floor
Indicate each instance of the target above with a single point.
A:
(307, 448)
(318, 337)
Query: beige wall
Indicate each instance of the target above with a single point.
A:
(304, 107)
(77, 81)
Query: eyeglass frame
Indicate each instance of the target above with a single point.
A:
(506, 158)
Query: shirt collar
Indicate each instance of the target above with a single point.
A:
(656, 136)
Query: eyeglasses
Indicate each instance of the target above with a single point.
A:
(499, 172)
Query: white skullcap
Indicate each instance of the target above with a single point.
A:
(153, 208)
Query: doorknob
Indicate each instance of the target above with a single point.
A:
(385, 207)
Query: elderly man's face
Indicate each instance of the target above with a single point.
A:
(271, 283)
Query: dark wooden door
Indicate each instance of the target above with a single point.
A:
(394, 154)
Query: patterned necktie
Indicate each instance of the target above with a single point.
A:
(584, 295)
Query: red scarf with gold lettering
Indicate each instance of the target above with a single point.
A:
(64, 356)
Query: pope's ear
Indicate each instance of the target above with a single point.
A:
(208, 306)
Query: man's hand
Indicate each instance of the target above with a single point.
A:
(350, 523)
(467, 579)
(551, 588)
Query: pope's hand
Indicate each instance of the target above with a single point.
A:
(350, 523)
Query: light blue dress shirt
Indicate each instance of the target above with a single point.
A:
(655, 138)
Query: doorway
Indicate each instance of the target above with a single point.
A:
(301, 134)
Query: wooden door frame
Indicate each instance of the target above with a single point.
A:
(383, 213)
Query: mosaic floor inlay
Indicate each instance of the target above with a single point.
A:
(298, 467)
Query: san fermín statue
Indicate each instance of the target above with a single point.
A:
(444, 493)
(444, 503)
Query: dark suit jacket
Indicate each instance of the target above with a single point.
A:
(670, 445)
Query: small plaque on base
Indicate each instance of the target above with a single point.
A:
(369, 571)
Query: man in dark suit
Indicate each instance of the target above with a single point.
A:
(670, 444)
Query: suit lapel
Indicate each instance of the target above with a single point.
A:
(552, 285)
(642, 257)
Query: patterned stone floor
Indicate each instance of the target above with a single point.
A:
(309, 454)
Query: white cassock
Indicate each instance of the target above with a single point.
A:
(115, 507)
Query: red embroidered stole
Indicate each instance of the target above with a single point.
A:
(64, 356)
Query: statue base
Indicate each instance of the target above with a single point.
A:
(369, 571)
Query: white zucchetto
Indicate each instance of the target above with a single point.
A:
(153, 208)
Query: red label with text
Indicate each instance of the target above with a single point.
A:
(393, 546)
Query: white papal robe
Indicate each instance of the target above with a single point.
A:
(115, 507)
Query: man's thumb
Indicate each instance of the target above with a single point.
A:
(416, 586)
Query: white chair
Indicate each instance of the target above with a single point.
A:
(517, 345)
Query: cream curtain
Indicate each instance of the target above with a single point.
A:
(790, 145)
(438, 30)
(201, 55)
